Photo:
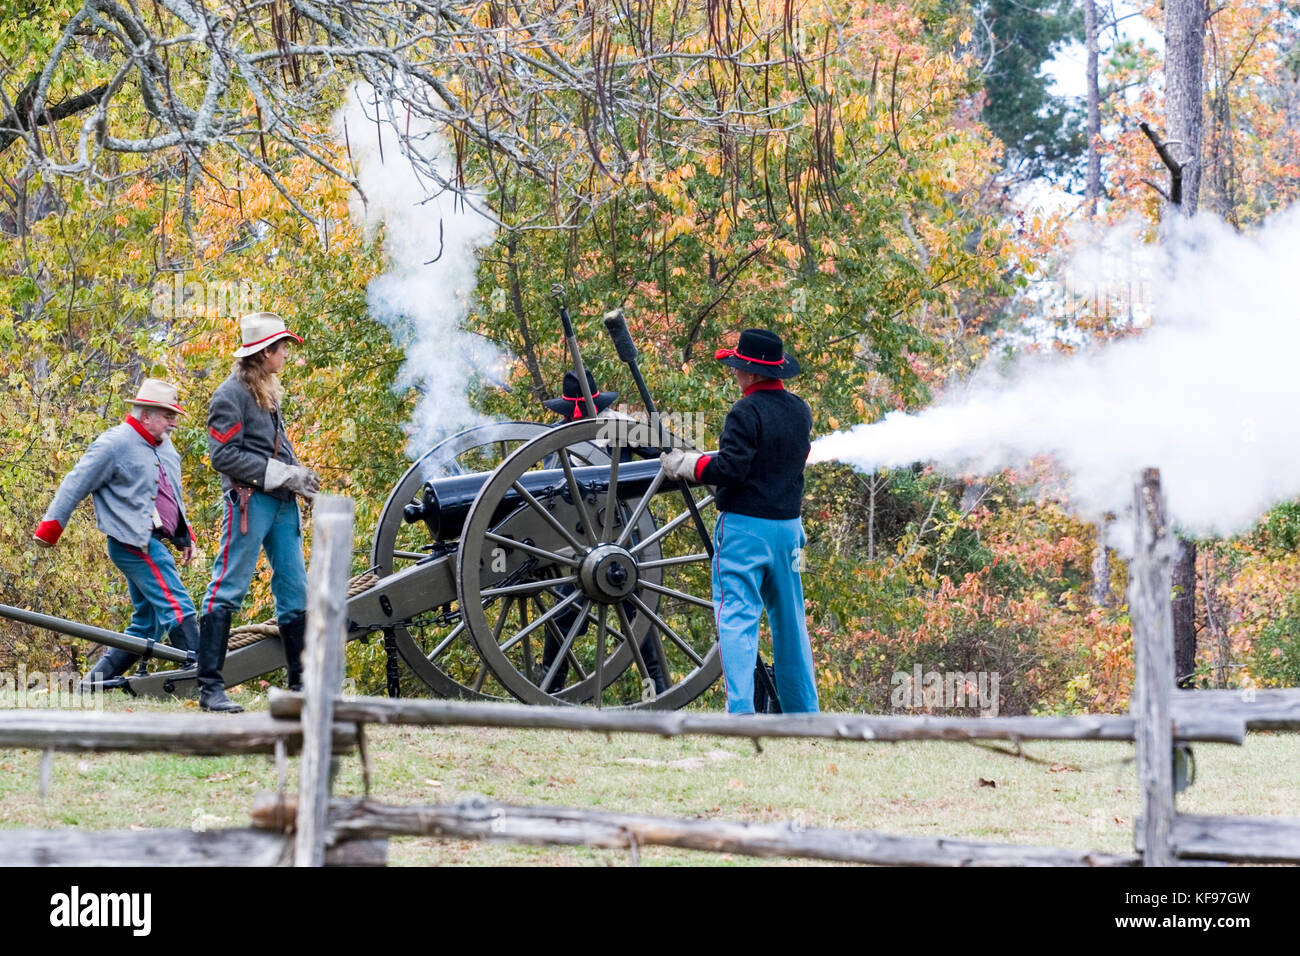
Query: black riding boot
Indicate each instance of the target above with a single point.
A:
(293, 636)
(113, 664)
(652, 667)
(185, 635)
(214, 633)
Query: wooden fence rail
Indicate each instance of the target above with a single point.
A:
(197, 734)
(1194, 726)
(329, 832)
(163, 847)
(479, 819)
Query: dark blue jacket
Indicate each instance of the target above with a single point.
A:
(758, 468)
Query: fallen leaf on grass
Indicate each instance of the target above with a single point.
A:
(218, 777)
(988, 783)
(734, 784)
(436, 784)
(1063, 768)
(7, 767)
(832, 769)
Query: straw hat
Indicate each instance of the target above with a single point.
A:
(155, 393)
(260, 329)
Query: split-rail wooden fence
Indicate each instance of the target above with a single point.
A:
(313, 829)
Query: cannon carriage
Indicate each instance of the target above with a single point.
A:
(517, 560)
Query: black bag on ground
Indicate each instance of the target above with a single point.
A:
(766, 700)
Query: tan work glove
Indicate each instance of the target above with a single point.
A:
(680, 465)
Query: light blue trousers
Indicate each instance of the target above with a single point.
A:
(272, 524)
(157, 594)
(755, 568)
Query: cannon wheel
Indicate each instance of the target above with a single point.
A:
(575, 537)
(424, 646)
(436, 647)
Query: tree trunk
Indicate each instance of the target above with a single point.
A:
(1101, 594)
(1183, 585)
(1184, 87)
(1093, 187)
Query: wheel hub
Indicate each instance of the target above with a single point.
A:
(608, 574)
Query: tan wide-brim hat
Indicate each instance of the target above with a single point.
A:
(260, 329)
(155, 393)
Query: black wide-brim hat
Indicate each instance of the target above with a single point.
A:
(570, 404)
(759, 351)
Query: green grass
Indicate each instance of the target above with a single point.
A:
(1076, 794)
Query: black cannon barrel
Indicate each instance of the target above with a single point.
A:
(446, 501)
(99, 635)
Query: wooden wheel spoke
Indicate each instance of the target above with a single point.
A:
(564, 652)
(631, 643)
(670, 562)
(528, 587)
(530, 549)
(600, 658)
(670, 526)
(588, 528)
(550, 519)
(611, 499)
(640, 509)
(670, 633)
(670, 592)
(456, 632)
(539, 621)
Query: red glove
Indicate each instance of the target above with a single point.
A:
(47, 532)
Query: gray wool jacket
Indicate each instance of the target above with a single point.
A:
(119, 471)
(241, 438)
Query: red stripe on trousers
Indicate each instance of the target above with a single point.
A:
(722, 597)
(171, 598)
(225, 555)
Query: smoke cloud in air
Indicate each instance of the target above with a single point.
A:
(423, 302)
(1209, 394)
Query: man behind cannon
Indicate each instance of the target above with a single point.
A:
(570, 406)
(759, 538)
(132, 472)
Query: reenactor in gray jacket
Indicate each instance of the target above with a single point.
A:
(132, 472)
(262, 479)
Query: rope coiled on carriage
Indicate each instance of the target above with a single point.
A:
(247, 634)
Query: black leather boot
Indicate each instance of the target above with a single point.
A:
(652, 667)
(293, 636)
(113, 664)
(185, 635)
(214, 632)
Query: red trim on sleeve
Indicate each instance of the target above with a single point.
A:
(225, 436)
(700, 465)
(48, 531)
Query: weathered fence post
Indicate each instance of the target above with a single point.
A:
(327, 588)
(1153, 645)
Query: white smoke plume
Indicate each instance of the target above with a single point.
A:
(1209, 394)
(423, 302)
